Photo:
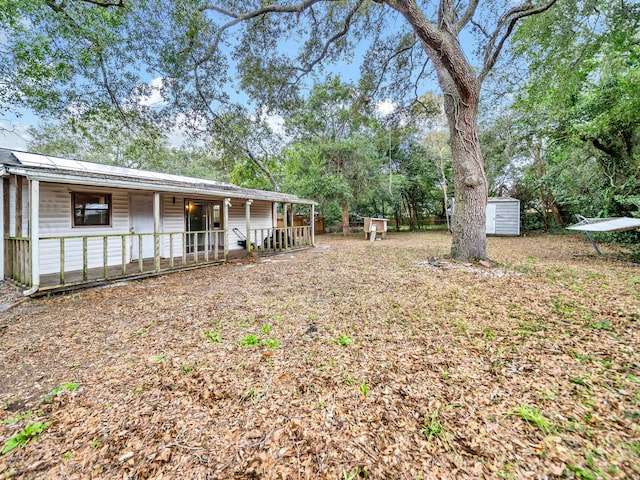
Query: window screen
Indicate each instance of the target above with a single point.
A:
(90, 209)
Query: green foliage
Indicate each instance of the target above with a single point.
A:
(343, 340)
(213, 337)
(249, 341)
(271, 342)
(581, 109)
(533, 416)
(432, 427)
(21, 438)
(67, 387)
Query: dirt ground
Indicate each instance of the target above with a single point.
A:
(351, 360)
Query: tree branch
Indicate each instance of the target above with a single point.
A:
(498, 39)
(241, 17)
(60, 6)
(388, 60)
(466, 16)
(333, 39)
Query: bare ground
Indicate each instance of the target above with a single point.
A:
(379, 361)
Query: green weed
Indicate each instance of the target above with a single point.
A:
(159, 358)
(23, 437)
(343, 340)
(271, 342)
(213, 337)
(432, 427)
(249, 341)
(364, 388)
(266, 329)
(17, 418)
(532, 416)
(67, 387)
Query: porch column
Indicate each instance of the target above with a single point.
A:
(312, 222)
(156, 231)
(247, 213)
(225, 223)
(3, 205)
(274, 215)
(18, 205)
(285, 224)
(34, 233)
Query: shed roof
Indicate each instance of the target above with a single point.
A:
(64, 170)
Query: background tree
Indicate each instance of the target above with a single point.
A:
(583, 107)
(331, 127)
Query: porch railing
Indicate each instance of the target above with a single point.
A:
(17, 260)
(280, 238)
(79, 259)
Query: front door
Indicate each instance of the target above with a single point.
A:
(141, 221)
(200, 218)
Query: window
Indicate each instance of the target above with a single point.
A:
(91, 209)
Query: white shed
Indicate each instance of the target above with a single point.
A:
(503, 216)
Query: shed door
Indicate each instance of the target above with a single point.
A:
(141, 221)
(491, 218)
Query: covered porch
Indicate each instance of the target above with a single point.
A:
(63, 231)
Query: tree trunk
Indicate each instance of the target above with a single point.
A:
(345, 219)
(461, 90)
(468, 226)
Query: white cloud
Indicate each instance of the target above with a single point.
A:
(155, 93)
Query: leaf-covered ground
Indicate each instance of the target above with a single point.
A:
(351, 360)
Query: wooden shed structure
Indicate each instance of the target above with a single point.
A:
(503, 216)
(68, 223)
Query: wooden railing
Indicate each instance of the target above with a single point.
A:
(281, 238)
(17, 260)
(79, 259)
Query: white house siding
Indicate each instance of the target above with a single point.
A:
(172, 222)
(261, 217)
(55, 221)
(507, 217)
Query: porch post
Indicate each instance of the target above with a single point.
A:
(312, 222)
(247, 212)
(4, 230)
(34, 233)
(156, 231)
(225, 223)
(285, 224)
(18, 205)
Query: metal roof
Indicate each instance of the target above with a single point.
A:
(617, 224)
(50, 168)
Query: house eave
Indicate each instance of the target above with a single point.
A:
(71, 178)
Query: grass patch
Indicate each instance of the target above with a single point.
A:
(533, 416)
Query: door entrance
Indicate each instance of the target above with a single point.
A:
(141, 221)
(200, 218)
(491, 218)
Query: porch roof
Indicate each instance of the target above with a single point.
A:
(62, 170)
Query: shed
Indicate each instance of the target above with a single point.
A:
(503, 216)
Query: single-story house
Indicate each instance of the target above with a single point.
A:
(68, 223)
